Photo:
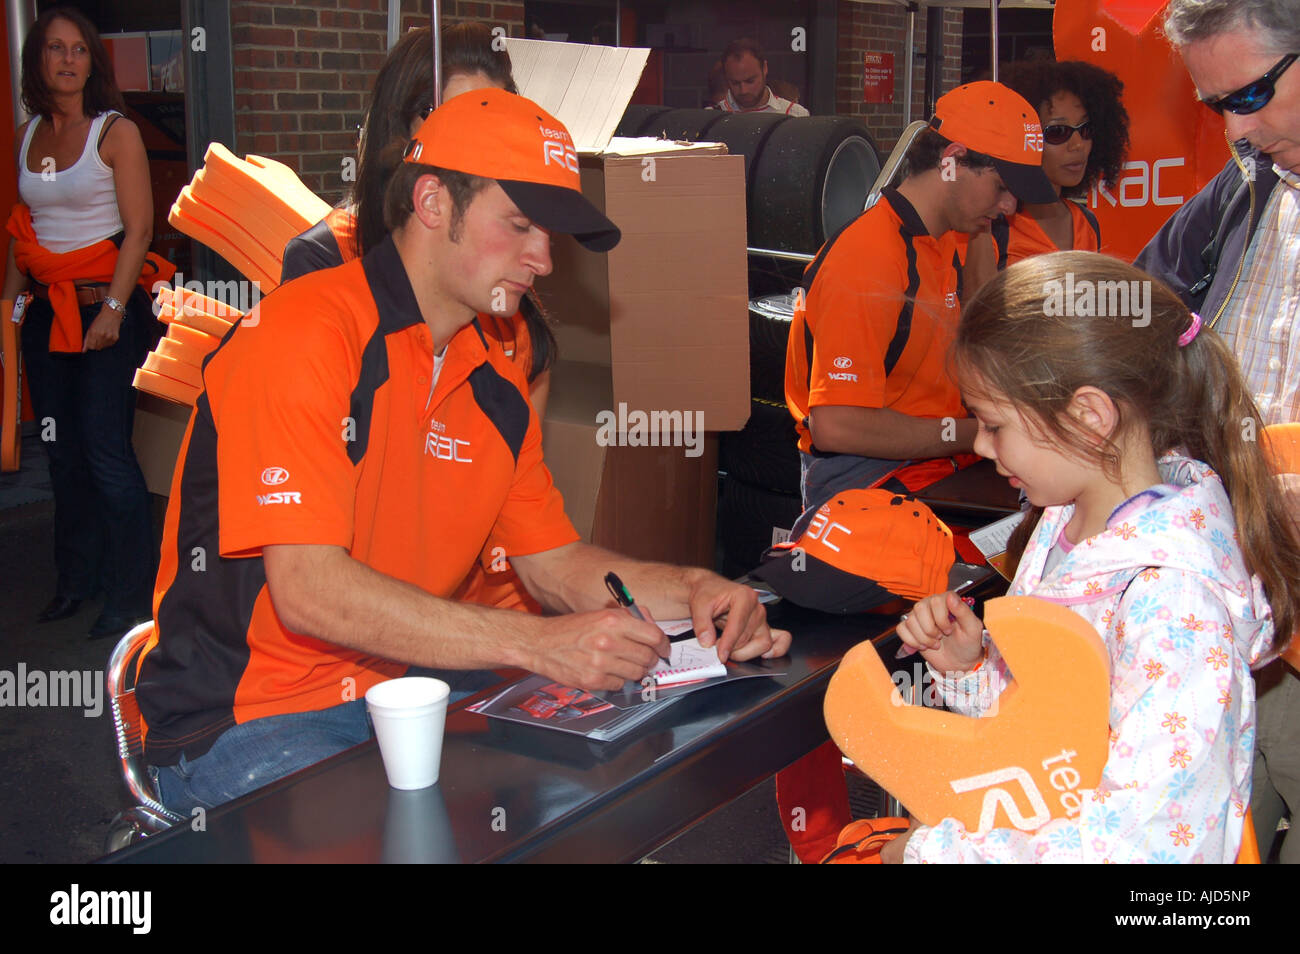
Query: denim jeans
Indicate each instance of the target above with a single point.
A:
(247, 756)
(85, 407)
(822, 477)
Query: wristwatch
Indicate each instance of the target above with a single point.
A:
(116, 305)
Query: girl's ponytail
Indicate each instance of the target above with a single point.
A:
(1225, 429)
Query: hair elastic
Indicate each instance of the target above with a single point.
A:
(1192, 330)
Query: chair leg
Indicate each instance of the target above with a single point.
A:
(132, 825)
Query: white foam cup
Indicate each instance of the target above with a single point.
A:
(408, 715)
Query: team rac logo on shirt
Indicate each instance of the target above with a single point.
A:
(438, 445)
(274, 475)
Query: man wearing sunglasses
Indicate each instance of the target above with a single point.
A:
(1233, 253)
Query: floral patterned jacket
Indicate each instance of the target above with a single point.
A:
(1166, 587)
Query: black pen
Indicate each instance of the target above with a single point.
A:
(624, 599)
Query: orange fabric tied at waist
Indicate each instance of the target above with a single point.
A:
(59, 270)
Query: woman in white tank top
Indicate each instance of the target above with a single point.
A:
(83, 173)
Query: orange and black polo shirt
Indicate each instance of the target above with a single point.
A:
(1020, 236)
(330, 242)
(333, 241)
(879, 315)
(317, 425)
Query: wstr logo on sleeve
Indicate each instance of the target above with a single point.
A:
(273, 477)
(843, 362)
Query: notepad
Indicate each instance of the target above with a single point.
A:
(689, 662)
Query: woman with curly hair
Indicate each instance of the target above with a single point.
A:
(1085, 137)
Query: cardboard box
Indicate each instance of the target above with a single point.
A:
(653, 503)
(659, 328)
(158, 431)
(666, 310)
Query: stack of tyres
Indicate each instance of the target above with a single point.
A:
(637, 118)
(760, 463)
(805, 177)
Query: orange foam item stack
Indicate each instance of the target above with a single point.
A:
(246, 210)
(195, 326)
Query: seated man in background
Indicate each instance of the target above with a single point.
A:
(866, 375)
(358, 445)
(745, 68)
(866, 378)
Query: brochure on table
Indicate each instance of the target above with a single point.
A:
(605, 716)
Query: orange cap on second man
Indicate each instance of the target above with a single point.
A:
(997, 121)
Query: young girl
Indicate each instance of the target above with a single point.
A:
(1158, 521)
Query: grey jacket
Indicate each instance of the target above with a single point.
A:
(1200, 262)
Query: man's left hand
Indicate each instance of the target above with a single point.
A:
(745, 635)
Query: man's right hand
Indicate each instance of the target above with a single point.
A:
(598, 650)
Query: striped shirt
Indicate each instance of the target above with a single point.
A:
(1259, 321)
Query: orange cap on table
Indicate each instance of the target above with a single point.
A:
(863, 548)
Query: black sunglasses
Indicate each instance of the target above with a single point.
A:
(1058, 133)
(1252, 97)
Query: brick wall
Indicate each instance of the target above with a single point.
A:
(303, 70)
(878, 28)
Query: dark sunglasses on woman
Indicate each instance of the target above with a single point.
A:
(1252, 97)
(1058, 133)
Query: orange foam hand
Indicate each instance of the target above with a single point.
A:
(1017, 767)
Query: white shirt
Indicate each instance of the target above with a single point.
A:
(774, 104)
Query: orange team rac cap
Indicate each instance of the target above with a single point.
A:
(862, 548)
(997, 121)
(503, 136)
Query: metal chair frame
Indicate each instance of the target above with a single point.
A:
(149, 816)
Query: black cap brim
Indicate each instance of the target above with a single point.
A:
(563, 210)
(1029, 184)
(818, 585)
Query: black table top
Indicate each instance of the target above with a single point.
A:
(519, 793)
(978, 491)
